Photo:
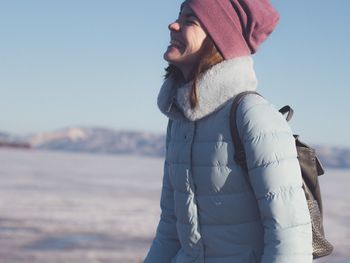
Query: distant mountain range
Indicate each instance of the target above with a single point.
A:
(100, 140)
(108, 141)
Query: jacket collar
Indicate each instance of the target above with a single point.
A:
(215, 87)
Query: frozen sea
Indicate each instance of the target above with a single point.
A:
(72, 208)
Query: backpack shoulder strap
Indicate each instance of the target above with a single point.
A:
(287, 110)
(237, 142)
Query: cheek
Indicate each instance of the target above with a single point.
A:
(194, 39)
(199, 38)
(195, 44)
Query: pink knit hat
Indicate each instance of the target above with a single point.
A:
(237, 27)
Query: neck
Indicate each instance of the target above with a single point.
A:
(215, 87)
(180, 75)
(188, 72)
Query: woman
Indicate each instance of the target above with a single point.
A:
(212, 210)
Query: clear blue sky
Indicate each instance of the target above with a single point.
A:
(99, 63)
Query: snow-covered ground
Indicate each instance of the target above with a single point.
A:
(73, 208)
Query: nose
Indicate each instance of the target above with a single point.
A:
(174, 26)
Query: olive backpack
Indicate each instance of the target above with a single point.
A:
(311, 168)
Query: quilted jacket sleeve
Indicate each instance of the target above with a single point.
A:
(165, 244)
(275, 177)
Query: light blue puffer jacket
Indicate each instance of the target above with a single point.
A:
(211, 210)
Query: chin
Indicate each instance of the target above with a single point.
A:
(169, 59)
(172, 56)
(166, 57)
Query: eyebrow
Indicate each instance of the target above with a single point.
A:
(187, 15)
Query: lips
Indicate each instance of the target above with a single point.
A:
(176, 43)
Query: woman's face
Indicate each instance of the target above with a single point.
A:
(186, 39)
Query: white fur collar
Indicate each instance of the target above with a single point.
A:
(215, 87)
